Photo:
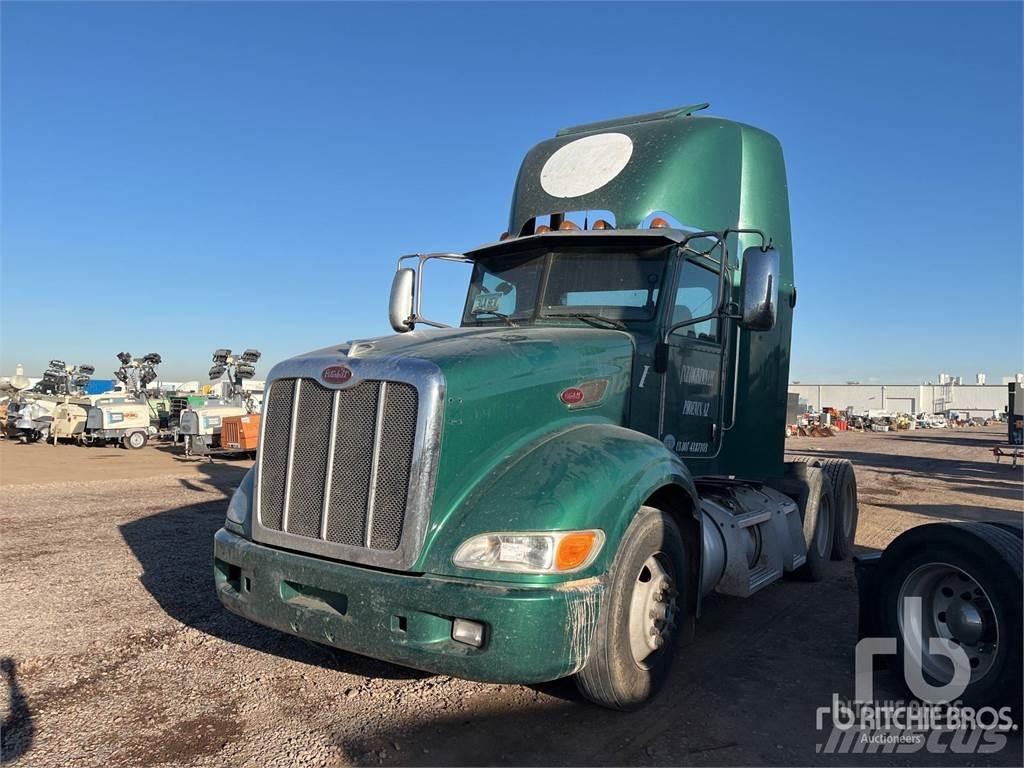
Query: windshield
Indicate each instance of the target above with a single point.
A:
(614, 285)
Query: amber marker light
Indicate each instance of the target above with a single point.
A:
(659, 223)
(574, 550)
(568, 226)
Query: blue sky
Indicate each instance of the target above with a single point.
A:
(179, 177)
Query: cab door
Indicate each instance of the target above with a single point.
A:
(692, 384)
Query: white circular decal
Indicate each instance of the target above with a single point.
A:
(586, 164)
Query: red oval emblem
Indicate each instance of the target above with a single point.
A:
(571, 396)
(336, 374)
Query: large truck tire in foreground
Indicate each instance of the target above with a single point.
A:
(967, 577)
(551, 488)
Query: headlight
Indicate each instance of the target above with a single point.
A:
(542, 552)
(240, 506)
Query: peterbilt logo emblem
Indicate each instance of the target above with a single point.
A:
(572, 396)
(336, 374)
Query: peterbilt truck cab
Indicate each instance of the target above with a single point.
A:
(551, 487)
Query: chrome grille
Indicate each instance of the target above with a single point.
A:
(399, 419)
(335, 465)
(350, 480)
(274, 452)
(310, 443)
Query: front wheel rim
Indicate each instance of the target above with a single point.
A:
(652, 609)
(954, 606)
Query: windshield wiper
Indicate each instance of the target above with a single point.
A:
(598, 321)
(507, 319)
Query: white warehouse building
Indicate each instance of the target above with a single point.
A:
(981, 400)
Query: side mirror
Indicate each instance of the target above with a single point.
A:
(400, 304)
(759, 285)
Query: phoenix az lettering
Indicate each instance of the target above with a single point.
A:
(696, 408)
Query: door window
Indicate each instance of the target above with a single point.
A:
(697, 296)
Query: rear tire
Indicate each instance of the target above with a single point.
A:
(815, 502)
(637, 630)
(844, 506)
(845, 510)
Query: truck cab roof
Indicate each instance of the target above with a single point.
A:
(707, 173)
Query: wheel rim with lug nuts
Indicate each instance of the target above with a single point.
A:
(954, 606)
(652, 608)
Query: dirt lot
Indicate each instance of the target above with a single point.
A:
(116, 652)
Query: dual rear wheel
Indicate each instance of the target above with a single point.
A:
(842, 483)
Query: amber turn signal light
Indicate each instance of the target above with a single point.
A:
(574, 550)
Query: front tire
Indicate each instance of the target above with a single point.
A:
(637, 630)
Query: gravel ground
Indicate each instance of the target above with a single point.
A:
(116, 652)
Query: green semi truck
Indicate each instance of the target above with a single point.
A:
(551, 488)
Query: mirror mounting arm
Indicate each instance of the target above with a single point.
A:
(413, 315)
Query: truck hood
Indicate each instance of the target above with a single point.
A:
(510, 364)
(503, 389)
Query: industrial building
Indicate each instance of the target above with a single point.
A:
(967, 400)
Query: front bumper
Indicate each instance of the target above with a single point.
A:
(531, 634)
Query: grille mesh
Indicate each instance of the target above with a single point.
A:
(393, 466)
(274, 452)
(353, 460)
(349, 471)
(309, 462)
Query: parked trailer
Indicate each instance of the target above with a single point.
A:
(551, 488)
(132, 416)
(201, 426)
(48, 409)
